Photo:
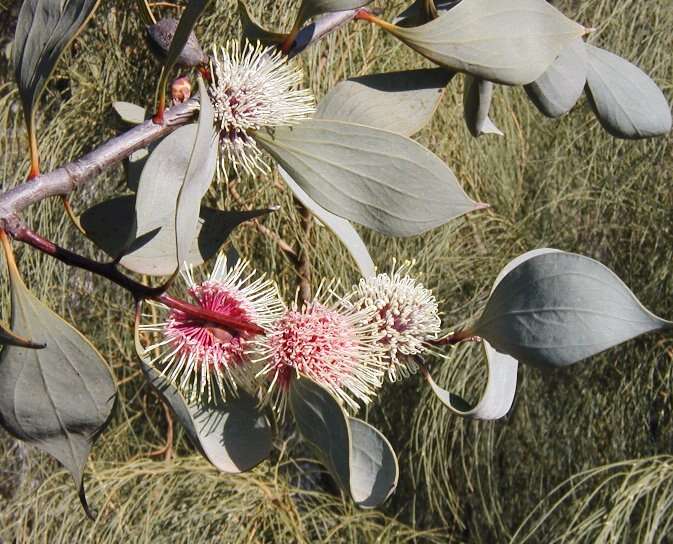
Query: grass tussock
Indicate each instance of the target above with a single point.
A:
(564, 184)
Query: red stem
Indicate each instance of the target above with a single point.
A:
(138, 290)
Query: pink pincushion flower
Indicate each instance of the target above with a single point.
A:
(334, 346)
(200, 356)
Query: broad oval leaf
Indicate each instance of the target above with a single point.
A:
(311, 8)
(129, 113)
(498, 396)
(626, 101)
(197, 177)
(374, 471)
(60, 398)
(556, 309)
(232, 434)
(359, 458)
(377, 178)
(339, 226)
(477, 95)
(43, 31)
(401, 102)
(511, 42)
(253, 32)
(109, 225)
(557, 91)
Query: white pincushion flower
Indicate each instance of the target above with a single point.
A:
(407, 316)
(253, 87)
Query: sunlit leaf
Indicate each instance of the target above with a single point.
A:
(59, 398)
(511, 42)
(373, 465)
(43, 31)
(129, 113)
(9, 338)
(233, 434)
(555, 309)
(477, 95)
(556, 91)
(110, 226)
(197, 177)
(626, 101)
(253, 32)
(342, 228)
(401, 102)
(377, 178)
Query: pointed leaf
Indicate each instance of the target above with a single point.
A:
(511, 42)
(373, 465)
(557, 308)
(129, 113)
(43, 31)
(626, 101)
(477, 95)
(197, 177)
(497, 398)
(557, 91)
(401, 102)
(253, 32)
(60, 398)
(233, 434)
(311, 8)
(110, 226)
(379, 179)
(342, 228)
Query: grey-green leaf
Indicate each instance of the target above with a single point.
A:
(401, 102)
(339, 226)
(197, 177)
(253, 32)
(311, 8)
(377, 178)
(322, 422)
(234, 435)
(511, 42)
(477, 96)
(43, 31)
(626, 101)
(555, 309)
(60, 398)
(557, 91)
(129, 113)
(109, 225)
(373, 465)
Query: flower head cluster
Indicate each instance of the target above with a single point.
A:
(406, 315)
(202, 357)
(253, 87)
(331, 344)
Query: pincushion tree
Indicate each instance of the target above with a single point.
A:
(227, 353)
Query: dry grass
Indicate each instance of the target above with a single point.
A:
(561, 183)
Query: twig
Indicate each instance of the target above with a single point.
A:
(140, 291)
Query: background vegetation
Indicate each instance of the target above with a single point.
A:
(605, 424)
